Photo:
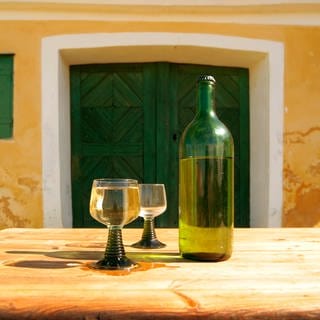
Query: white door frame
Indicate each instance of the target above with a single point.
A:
(265, 60)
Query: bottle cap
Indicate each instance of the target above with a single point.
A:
(207, 78)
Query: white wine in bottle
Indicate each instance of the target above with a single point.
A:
(206, 187)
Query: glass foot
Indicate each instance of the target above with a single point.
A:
(148, 244)
(114, 263)
(149, 238)
(115, 257)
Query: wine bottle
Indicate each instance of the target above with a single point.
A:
(206, 186)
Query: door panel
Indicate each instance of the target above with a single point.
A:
(107, 111)
(127, 120)
(232, 107)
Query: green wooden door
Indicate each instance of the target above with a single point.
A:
(126, 121)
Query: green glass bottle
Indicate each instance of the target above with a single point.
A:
(206, 183)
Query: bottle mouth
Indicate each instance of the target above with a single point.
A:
(208, 78)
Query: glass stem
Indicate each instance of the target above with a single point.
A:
(149, 233)
(114, 248)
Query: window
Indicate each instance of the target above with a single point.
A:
(6, 96)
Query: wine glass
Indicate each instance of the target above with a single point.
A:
(114, 203)
(153, 202)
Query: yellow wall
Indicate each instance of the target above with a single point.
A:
(20, 157)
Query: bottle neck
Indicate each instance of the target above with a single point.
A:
(206, 98)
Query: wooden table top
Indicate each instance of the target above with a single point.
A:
(272, 274)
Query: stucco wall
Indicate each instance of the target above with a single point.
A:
(20, 157)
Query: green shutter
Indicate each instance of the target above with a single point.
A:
(6, 95)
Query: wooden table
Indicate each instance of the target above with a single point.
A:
(273, 274)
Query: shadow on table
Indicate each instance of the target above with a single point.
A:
(42, 264)
(71, 258)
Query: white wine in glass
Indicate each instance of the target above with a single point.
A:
(153, 202)
(114, 203)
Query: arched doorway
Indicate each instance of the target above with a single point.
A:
(265, 60)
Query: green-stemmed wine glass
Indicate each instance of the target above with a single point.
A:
(153, 202)
(114, 203)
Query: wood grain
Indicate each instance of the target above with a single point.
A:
(272, 274)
